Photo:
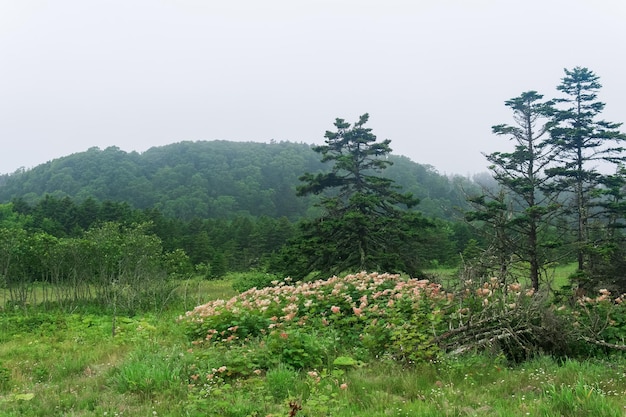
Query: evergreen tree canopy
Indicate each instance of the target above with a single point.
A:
(365, 223)
(583, 142)
(523, 213)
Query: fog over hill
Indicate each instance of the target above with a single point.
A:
(213, 179)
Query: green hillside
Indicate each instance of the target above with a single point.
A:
(212, 179)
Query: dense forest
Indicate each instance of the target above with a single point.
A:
(210, 180)
(191, 208)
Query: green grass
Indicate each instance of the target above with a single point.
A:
(196, 291)
(37, 293)
(54, 364)
(562, 274)
(192, 291)
(557, 277)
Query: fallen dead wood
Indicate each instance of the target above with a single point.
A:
(603, 343)
(515, 327)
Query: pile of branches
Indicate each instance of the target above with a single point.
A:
(532, 324)
(520, 329)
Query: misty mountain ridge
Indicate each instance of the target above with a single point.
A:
(214, 179)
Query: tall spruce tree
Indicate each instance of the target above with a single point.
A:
(521, 174)
(584, 143)
(366, 223)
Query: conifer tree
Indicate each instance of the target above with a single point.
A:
(583, 142)
(521, 173)
(366, 223)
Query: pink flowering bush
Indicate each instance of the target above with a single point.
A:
(366, 313)
(601, 317)
(329, 328)
(343, 301)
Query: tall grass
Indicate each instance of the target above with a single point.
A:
(561, 275)
(196, 291)
(150, 369)
(55, 364)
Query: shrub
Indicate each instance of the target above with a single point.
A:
(289, 319)
(294, 348)
(257, 280)
(406, 319)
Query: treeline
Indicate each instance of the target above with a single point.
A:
(110, 253)
(110, 265)
(213, 179)
(561, 190)
(237, 244)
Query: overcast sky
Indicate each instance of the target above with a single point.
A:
(432, 74)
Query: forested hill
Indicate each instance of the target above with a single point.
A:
(212, 179)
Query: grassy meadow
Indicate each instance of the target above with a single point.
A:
(73, 364)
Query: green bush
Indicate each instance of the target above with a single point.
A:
(258, 280)
(357, 313)
(371, 315)
(295, 348)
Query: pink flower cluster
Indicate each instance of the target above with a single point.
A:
(285, 304)
(605, 296)
(370, 298)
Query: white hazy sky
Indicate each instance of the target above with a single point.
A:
(432, 74)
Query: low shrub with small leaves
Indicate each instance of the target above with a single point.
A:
(600, 319)
(293, 319)
(373, 314)
(244, 282)
(305, 324)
